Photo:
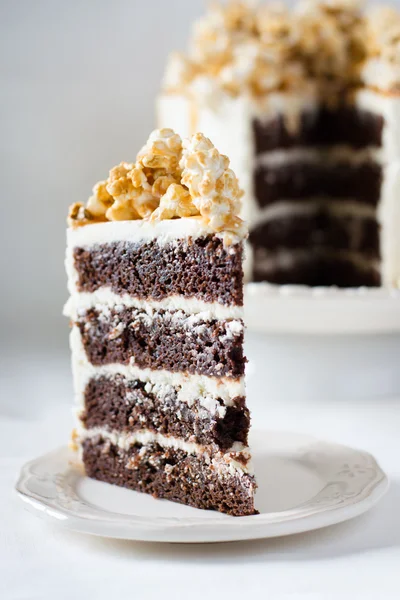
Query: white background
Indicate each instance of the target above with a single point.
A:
(77, 88)
(77, 85)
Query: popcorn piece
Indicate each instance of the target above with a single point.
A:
(122, 210)
(180, 71)
(162, 150)
(176, 202)
(100, 201)
(212, 185)
(201, 165)
(120, 188)
(384, 34)
(131, 192)
(120, 184)
(162, 183)
(78, 215)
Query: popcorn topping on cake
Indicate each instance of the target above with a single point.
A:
(245, 46)
(213, 187)
(169, 179)
(176, 202)
(384, 34)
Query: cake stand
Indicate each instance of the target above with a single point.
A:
(316, 343)
(321, 310)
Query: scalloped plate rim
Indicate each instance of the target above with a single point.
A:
(198, 529)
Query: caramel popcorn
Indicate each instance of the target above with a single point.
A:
(100, 201)
(176, 202)
(119, 183)
(79, 214)
(120, 187)
(244, 47)
(384, 34)
(213, 187)
(169, 179)
(181, 70)
(332, 41)
(162, 151)
(74, 441)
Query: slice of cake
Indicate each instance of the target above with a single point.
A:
(154, 265)
(307, 102)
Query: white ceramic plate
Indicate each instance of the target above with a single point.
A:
(304, 484)
(324, 310)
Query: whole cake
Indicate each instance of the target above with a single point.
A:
(307, 103)
(155, 276)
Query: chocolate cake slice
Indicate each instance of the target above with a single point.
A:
(155, 274)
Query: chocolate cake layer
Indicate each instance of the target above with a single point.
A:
(162, 342)
(316, 271)
(346, 125)
(170, 474)
(317, 231)
(304, 179)
(202, 268)
(118, 404)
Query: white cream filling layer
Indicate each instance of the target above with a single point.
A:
(188, 387)
(224, 462)
(333, 155)
(105, 297)
(285, 208)
(195, 324)
(388, 107)
(285, 259)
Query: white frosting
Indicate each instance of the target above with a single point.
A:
(389, 206)
(168, 231)
(180, 112)
(381, 74)
(189, 387)
(294, 208)
(106, 298)
(286, 259)
(388, 107)
(332, 155)
(137, 231)
(193, 324)
(223, 462)
(389, 220)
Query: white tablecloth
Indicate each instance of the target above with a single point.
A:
(359, 559)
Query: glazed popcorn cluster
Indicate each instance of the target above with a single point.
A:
(171, 178)
(384, 34)
(262, 48)
(332, 39)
